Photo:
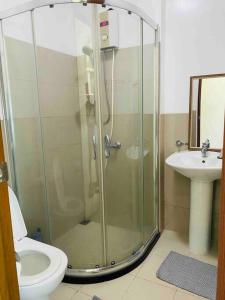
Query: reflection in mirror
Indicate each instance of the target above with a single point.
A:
(206, 114)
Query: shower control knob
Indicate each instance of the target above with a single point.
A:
(113, 262)
(70, 267)
(116, 145)
(109, 145)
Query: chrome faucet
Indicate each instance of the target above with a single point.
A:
(109, 145)
(205, 148)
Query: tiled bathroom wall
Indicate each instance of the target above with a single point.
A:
(46, 133)
(26, 134)
(59, 110)
(49, 142)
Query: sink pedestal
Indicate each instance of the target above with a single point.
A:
(200, 216)
(202, 171)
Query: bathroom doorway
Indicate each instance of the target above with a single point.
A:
(8, 278)
(221, 248)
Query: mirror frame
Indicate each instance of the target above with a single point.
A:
(192, 78)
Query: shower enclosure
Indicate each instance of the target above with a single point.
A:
(80, 84)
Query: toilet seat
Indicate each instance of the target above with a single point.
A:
(55, 256)
(42, 267)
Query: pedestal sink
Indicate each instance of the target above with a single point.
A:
(202, 171)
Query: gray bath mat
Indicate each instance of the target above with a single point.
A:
(96, 298)
(189, 274)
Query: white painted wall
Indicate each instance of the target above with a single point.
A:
(193, 44)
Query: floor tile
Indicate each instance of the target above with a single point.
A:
(142, 289)
(80, 296)
(63, 292)
(150, 267)
(171, 235)
(173, 241)
(136, 270)
(183, 295)
(75, 287)
(109, 290)
(141, 283)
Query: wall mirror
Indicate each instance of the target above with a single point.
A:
(206, 111)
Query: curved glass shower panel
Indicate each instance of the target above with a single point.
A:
(24, 122)
(65, 64)
(82, 128)
(149, 130)
(121, 105)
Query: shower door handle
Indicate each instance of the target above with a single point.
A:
(109, 145)
(94, 147)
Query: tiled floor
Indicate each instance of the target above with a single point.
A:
(141, 283)
(122, 241)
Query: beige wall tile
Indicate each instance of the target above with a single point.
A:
(177, 188)
(177, 218)
(60, 131)
(64, 176)
(27, 135)
(24, 98)
(58, 100)
(55, 67)
(20, 58)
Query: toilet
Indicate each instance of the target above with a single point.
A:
(40, 267)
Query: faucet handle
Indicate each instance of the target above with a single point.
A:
(179, 144)
(206, 143)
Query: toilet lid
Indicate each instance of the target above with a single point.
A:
(18, 225)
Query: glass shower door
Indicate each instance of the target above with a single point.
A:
(23, 122)
(121, 108)
(150, 194)
(82, 123)
(67, 97)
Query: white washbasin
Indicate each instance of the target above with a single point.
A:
(202, 171)
(192, 165)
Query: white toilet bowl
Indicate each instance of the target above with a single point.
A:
(42, 266)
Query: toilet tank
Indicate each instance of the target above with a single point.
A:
(18, 224)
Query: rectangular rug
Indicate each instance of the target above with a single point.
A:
(189, 274)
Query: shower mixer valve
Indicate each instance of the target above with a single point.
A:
(109, 145)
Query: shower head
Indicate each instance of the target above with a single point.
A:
(87, 51)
